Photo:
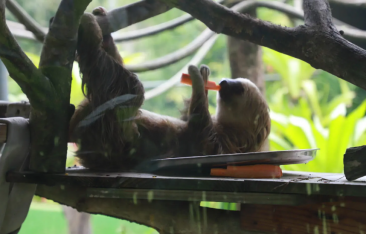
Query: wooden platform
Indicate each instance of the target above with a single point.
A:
(296, 183)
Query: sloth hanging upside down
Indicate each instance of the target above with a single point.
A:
(114, 133)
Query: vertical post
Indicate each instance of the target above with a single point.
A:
(3, 82)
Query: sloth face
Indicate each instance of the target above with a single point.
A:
(240, 103)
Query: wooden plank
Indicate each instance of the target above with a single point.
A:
(291, 183)
(210, 196)
(343, 215)
(3, 133)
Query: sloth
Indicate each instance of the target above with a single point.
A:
(114, 133)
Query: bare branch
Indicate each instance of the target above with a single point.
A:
(175, 56)
(176, 78)
(18, 30)
(24, 18)
(360, 3)
(130, 14)
(326, 50)
(128, 36)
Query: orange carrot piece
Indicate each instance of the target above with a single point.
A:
(251, 171)
(186, 79)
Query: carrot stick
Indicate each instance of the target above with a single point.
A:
(252, 171)
(186, 79)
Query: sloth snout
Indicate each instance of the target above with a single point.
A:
(230, 87)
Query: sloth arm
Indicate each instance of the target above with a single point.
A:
(200, 125)
(199, 116)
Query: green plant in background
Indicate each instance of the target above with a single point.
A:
(294, 132)
(304, 117)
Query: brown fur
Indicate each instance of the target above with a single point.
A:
(124, 135)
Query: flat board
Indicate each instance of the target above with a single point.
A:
(304, 183)
(210, 161)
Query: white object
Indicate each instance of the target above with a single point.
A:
(16, 198)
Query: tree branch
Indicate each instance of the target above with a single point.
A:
(193, 46)
(24, 18)
(128, 36)
(18, 30)
(318, 14)
(49, 123)
(175, 56)
(130, 14)
(20, 67)
(176, 78)
(326, 50)
(351, 33)
(360, 3)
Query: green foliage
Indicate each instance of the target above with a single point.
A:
(293, 132)
(48, 218)
(304, 116)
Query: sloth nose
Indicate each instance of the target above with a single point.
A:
(230, 87)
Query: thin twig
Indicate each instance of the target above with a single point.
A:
(24, 18)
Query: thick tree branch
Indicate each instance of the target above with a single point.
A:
(20, 68)
(326, 50)
(130, 14)
(350, 32)
(49, 124)
(318, 14)
(24, 18)
(166, 216)
(193, 46)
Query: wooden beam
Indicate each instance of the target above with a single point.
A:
(341, 215)
(302, 183)
(3, 133)
(189, 195)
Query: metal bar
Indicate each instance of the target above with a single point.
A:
(3, 82)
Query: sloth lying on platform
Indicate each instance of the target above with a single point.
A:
(114, 133)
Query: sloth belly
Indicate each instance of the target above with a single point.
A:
(160, 136)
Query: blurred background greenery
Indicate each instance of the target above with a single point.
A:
(309, 108)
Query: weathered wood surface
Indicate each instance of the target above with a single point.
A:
(342, 215)
(3, 133)
(355, 162)
(291, 183)
(197, 196)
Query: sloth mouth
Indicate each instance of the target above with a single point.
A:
(229, 88)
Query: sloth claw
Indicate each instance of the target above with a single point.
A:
(100, 11)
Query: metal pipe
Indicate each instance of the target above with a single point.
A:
(3, 82)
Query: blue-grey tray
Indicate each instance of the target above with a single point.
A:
(209, 161)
